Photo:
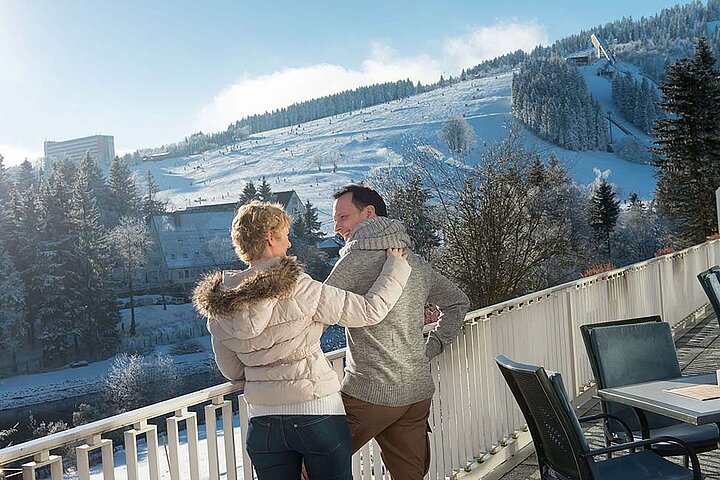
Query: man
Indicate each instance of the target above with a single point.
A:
(388, 388)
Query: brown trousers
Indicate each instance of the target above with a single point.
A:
(401, 432)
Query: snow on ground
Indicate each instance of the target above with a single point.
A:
(120, 459)
(372, 138)
(22, 390)
(38, 388)
(152, 321)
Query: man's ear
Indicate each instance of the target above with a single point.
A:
(270, 238)
(371, 211)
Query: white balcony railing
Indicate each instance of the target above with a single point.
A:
(474, 419)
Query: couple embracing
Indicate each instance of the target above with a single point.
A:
(266, 324)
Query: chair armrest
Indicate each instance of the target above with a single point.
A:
(607, 416)
(650, 441)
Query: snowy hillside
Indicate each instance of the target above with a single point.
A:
(362, 140)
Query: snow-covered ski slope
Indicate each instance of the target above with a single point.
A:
(360, 141)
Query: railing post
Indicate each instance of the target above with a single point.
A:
(150, 432)
(40, 460)
(573, 350)
(190, 419)
(225, 406)
(83, 457)
(660, 290)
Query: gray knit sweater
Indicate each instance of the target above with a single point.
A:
(388, 363)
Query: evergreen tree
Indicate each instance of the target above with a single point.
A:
(151, 204)
(5, 184)
(89, 168)
(249, 193)
(635, 203)
(12, 308)
(689, 146)
(123, 198)
(5, 206)
(97, 315)
(67, 168)
(305, 234)
(550, 97)
(59, 261)
(264, 193)
(408, 200)
(604, 211)
(27, 179)
(24, 248)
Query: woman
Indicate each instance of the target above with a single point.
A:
(266, 324)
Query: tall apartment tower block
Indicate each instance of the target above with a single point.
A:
(101, 148)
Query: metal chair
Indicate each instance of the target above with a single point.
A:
(710, 281)
(563, 452)
(640, 350)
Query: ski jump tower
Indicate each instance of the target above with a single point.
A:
(602, 49)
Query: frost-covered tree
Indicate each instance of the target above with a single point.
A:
(5, 205)
(496, 236)
(689, 146)
(459, 136)
(24, 248)
(125, 382)
(410, 200)
(130, 240)
(97, 314)
(220, 251)
(550, 97)
(135, 381)
(12, 308)
(59, 262)
(638, 233)
(636, 101)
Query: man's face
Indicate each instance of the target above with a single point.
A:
(346, 215)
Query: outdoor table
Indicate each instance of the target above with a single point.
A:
(653, 397)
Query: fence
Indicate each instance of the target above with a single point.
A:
(474, 419)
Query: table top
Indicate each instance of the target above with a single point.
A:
(653, 397)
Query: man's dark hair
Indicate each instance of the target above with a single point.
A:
(362, 196)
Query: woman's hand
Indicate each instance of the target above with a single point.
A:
(396, 252)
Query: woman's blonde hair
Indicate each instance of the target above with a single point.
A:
(251, 225)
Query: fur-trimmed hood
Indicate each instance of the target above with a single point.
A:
(248, 293)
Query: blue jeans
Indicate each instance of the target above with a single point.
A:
(279, 444)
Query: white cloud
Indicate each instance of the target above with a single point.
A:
(485, 43)
(16, 155)
(258, 94)
(263, 93)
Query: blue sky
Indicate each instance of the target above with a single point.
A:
(152, 72)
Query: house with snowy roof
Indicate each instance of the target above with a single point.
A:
(188, 243)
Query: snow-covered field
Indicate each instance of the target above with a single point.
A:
(374, 137)
(152, 320)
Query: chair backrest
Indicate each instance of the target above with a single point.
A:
(552, 422)
(710, 281)
(588, 327)
(623, 353)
